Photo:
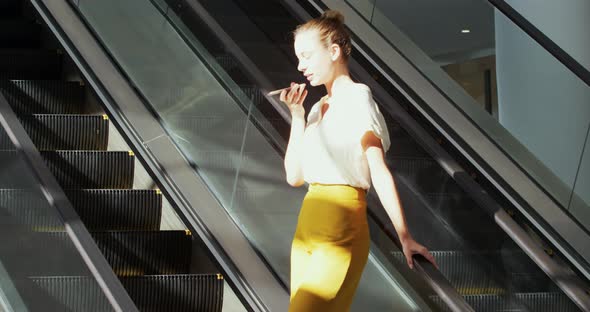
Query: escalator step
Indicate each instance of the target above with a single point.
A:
(29, 208)
(232, 68)
(227, 62)
(73, 293)
(65, 132)
(19, 34)
(406, 147)
(468, 219)
(91, 169)
(462, 271)
(12, 164)
(425, 173)
(394, 128)
(255, 95)
(471, 276)
(100, 210)
(44, 96)
(415, 164)
(130, 253)
(74, 169)
(159, 293)
(176, 292)
(547, 302)
(525, 302)
(133, 253)
(118, 210)
(30, 64)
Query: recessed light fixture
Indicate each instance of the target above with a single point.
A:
(465, 31)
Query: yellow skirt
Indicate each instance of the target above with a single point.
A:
(330, 248)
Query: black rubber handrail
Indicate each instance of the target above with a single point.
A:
(78, 233)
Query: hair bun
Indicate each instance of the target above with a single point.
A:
(335, 15)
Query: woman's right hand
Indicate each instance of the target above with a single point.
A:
(294, 98)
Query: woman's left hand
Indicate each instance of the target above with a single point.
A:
(411, 247)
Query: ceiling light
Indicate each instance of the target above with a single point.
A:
(465, 31)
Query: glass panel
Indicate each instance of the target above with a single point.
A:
(477, 257)
(524, 99)
(40, 268)
(563, 23)
(365, 7)
(580, 201)
(219, 127)
(194, 107)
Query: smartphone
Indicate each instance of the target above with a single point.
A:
(275, 92)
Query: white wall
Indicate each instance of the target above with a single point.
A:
(540, 101)
(564, 22)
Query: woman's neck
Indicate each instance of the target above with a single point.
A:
(341, 80)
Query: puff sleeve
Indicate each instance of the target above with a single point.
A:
(369, 118)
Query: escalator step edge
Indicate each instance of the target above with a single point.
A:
(157, 293)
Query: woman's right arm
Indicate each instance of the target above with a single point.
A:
(294, 100)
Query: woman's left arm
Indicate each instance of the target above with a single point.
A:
(384, 185)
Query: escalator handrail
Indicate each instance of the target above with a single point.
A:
(83, 242)
(563, 57)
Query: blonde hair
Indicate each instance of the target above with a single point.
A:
(331, 29)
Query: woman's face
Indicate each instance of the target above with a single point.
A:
(315, 60)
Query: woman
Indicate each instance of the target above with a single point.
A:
(339, 152)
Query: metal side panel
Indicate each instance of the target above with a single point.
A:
(242, 267)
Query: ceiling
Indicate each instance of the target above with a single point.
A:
(435, 25)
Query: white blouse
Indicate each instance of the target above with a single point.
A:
(332, 151)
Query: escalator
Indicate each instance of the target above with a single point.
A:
(197, 67)
(476, 256)
(72, 134)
